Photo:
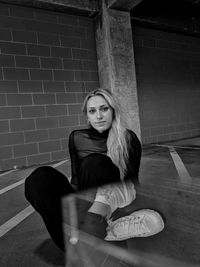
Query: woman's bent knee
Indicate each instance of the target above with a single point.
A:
(46, 181)
(38, 179)
(37, 176)
(97, 169)
(99, 163)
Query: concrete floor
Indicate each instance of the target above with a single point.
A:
(170, 183)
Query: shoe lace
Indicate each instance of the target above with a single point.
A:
(135, 225)
(140, 226)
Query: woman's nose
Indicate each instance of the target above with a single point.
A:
(99, 114)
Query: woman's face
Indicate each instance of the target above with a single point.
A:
(99, 113)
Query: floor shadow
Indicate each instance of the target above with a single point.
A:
(50, 253)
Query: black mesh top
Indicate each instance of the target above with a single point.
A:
(86, 141)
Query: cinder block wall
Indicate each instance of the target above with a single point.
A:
(168, 81)
(47, 65)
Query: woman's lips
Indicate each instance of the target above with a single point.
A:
(100, 122)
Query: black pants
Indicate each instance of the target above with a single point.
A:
(45, 187)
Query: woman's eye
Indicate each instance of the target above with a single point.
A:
(91, 111)
(105, 109)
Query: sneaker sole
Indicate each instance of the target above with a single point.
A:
(155, 217)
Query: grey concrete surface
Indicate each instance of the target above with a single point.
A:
(29, 244)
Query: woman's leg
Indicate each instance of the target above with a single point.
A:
(44, 188)
(96, 170)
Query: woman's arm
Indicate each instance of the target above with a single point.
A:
(134, 157)
(74, 161)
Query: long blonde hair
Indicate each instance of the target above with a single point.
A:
(117, 142)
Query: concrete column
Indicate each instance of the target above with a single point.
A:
(116, 62)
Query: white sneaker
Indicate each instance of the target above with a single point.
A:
(141, 223)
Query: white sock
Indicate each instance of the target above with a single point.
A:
(116, 195)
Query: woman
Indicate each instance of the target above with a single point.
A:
(105, 156)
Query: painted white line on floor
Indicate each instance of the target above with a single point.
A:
(177, 146)
(22, 181)
(14, 221)
(180, 167)
(4, 173)
(11, 186)
(59, 163)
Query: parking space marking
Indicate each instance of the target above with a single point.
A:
(14, 221)
(4, 173)
(23, 180)
(59, 163)
(7, 188)
(177, 146)
(180, 167)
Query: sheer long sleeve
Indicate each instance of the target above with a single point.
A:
(74, 160)
(86, 141)
(134, 158)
